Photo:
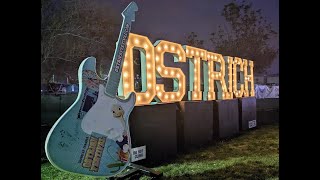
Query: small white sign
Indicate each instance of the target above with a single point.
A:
(138, 153)
(252, 124)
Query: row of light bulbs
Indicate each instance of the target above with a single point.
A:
(155, 65)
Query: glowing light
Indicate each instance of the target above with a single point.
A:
(142, 44)
(248, 90)
(239, 62)
(225, 79)
(218, 76)
(195, 82)
(177, 51)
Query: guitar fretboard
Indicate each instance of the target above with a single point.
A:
(118, 58)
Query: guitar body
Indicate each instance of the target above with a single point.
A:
(92, 137)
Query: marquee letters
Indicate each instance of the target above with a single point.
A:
(217, 71)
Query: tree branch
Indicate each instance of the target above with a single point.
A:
(58, 58)
(79, 36)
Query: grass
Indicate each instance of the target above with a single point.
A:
(252, 155)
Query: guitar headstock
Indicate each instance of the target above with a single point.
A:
(129, 11)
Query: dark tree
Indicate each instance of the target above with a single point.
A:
(192, 40)
(246, 35)
(72, 30)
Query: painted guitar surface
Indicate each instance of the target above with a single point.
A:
(92, 137)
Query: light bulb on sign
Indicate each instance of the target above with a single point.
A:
(144, 46)
(177, 52)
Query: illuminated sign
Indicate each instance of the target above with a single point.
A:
(223, 77)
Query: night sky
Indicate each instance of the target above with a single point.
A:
(172, 20)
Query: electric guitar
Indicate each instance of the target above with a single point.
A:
(92, 137)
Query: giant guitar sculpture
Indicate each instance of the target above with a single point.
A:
(92, 137)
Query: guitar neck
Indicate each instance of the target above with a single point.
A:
(118, 58)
